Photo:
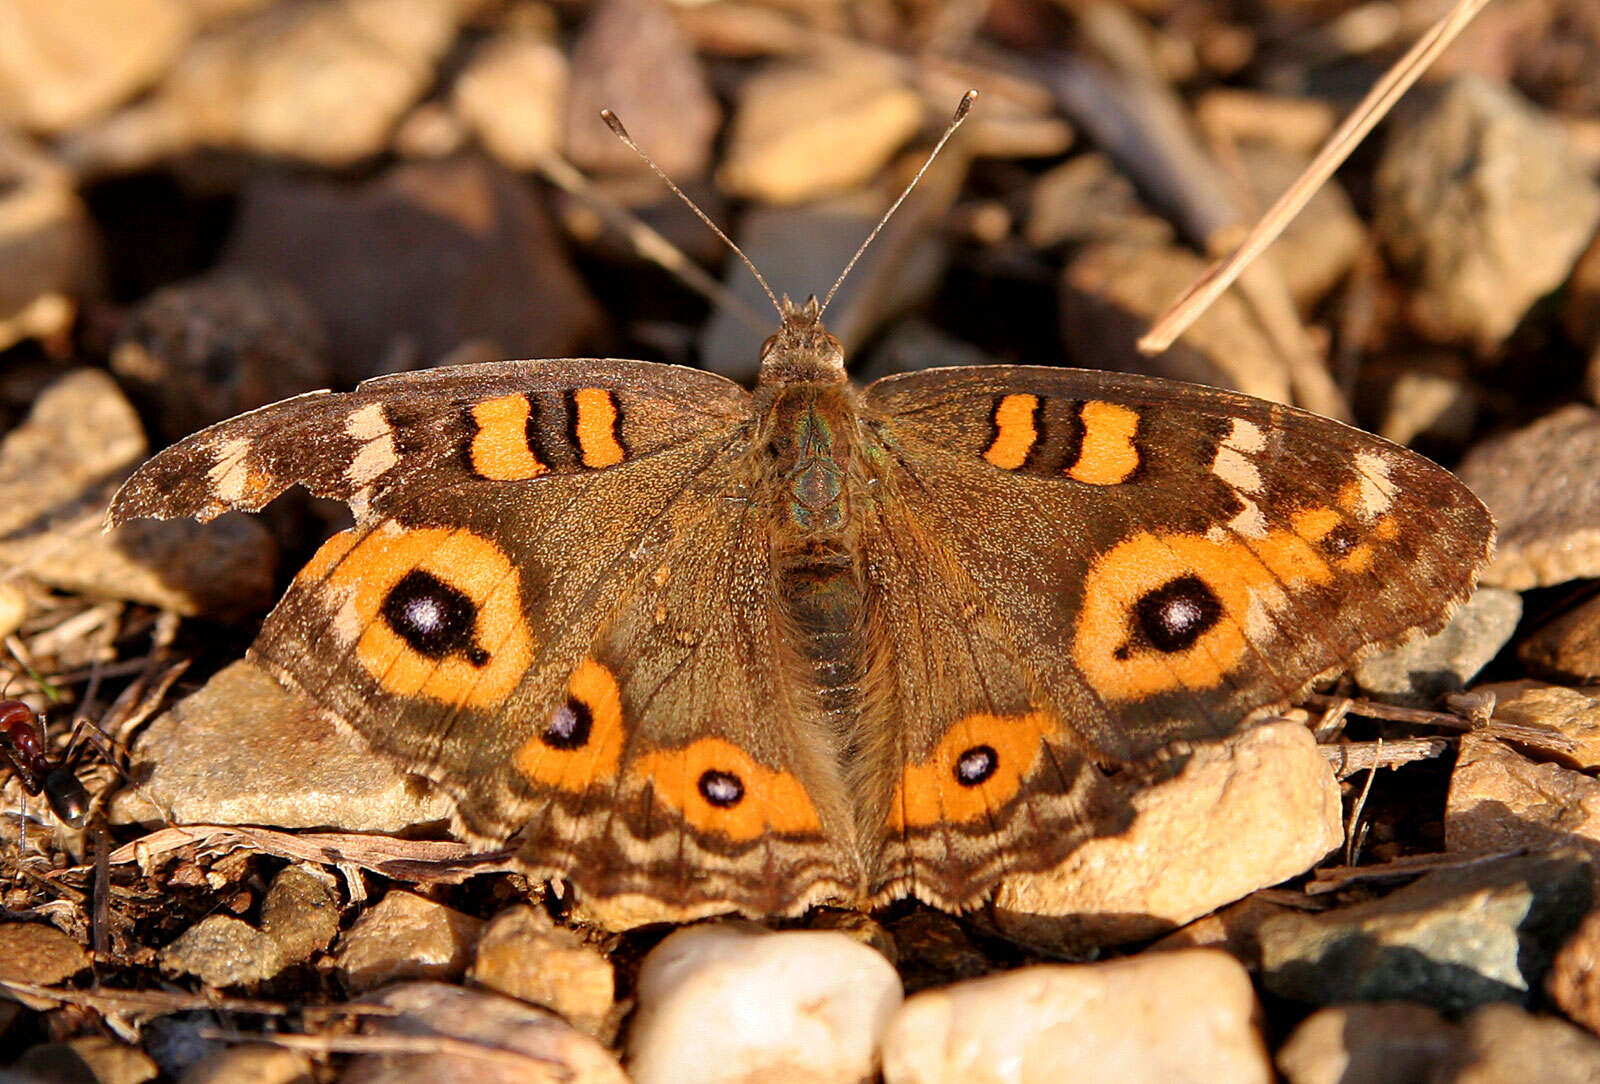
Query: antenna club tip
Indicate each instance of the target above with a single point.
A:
(613, 122)
(965, 104)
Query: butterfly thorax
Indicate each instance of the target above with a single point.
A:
(809, 443)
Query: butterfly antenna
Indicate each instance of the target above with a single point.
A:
(955, 122)
(622, 133)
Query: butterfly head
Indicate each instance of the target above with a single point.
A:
(802, 351)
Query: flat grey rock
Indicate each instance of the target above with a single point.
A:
(1424, 670)
(245, 750)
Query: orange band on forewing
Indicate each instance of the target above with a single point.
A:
(773, 800)
(1107, 455)
(930, 792)
(359, 571)
(1014, 431)
(500, 448)
(577, 769)
(596, 427)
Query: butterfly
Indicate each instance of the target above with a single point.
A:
(699, 648)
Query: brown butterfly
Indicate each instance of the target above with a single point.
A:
(701, 648)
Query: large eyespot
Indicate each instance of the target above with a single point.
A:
(1176, 614)
(433, 618)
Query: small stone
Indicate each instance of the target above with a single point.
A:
(1184, 1015)
(1427, 398)
(806, 247)
(526, 69)
(1244, 813)
(1574, 713)
(1568, 646)
(733, 1002)
(1394, 1042)
(405, 936)
(631, 57)
(807, 130)
(523, 954)
(1322, 242)
(517, 1043)
(933, 948)
(1452, 940)
(1235, 929)
(1501, 1044)
(323, 82)
(1500, 800)
(201, 351)
(49, 258)
(406, 269)
(1111, 291)
(245, 750)
(223, 951)
(1461, 189)
(13, 608)
(1573, 982)
(1426, 669)
(250, 1063)
(858, 926)
(39, 954)
(58, 470)
(1541, 485)
(1086, 198)
(300, 912)
(64, 64)
(89, 1059)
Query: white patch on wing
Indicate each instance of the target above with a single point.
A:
(1250, 522)
(1246, 436)
(377, 453)
(229, 477)
(1233, 468)
(1377, 491)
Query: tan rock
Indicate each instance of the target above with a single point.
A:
(1460, 190)
(1160, 1017)
(49, 258)
(319, 82)
(732, 1002)
(1569, 644)
(63, 64)
(223, 951)
(1501, 1044)
(250, 1063)
(407, 937)
(1573, 981)
(245, 750)
(35, 953)
(523, 954)
(1500, 800)
(488, 1039)
(300, 912)
(90, 1057)
(1251, 811)
(58, 470)
(1574, 713)
(631, 57)
(1110, 292)
(803, 131)
(530, 71)
(1392, 1042)
(1541, 485)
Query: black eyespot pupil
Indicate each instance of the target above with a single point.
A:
(976, 765)
(1340, 541)
(722, 789)
(1175, 615)
(569, 727)
(435, 619)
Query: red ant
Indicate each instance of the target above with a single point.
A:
(22, 746)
